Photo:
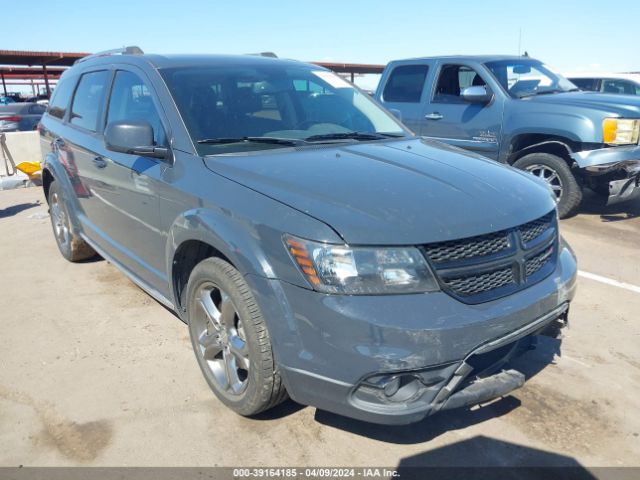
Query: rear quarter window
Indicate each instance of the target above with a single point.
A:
(61, 97)
(405, 84)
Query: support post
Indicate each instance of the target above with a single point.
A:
(46, 80)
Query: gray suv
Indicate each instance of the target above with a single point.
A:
(312, 244)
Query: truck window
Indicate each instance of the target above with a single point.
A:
(452, 80)
(585, 83)
(88, 100)
(618, 86)
(131, 100)
(405, 84)
(61, 97)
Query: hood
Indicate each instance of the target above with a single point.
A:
(622, 105)
(394, 193)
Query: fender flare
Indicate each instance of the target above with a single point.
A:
(59, 174)
(521, 153)
(216, 229)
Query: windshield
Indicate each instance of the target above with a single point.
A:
(242, 108)
(524, 78)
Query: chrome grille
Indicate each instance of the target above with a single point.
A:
(482, 268)
(468, 248)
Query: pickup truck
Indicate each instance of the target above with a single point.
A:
(518, 111)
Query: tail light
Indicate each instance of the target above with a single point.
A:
(13, 118)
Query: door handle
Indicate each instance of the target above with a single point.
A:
(99, 162)
(434, 116)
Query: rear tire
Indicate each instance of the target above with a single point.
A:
(71, 245)
(230, 339)
(555, 171)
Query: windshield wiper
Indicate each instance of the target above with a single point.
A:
(542, 92)
(271, 140)
(353, 136)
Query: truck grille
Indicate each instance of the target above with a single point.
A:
(486, 267)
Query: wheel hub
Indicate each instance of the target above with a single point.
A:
(549, 175)
(222, 345)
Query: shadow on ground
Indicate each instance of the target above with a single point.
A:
(15, 209)
(594, 204)
(488, 458)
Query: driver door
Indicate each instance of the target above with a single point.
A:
(450, 119)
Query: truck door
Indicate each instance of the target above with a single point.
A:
(451, 119)
(404, 93)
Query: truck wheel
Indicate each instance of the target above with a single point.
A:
(230, 339)
(555, 171)
(71, 245)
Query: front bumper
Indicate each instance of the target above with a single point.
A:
(619, 166)
(342, 353)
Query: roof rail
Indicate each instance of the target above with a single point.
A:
(264, 54)
(131, 50)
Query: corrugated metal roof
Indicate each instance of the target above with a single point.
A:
(29, 58)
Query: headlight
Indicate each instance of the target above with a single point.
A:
(620, 131)
(361, 270)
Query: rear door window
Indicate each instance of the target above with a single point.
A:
(131, 100)
(405, 84)
(88, 99)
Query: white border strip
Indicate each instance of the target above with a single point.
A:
(609, 281)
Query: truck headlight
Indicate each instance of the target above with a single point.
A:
(620, 131)
(361, 270)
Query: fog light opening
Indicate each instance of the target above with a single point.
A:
(401, 388)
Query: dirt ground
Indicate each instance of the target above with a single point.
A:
(95, 372)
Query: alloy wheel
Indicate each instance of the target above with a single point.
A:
(60, 221)
(221, 340)
(549, 175)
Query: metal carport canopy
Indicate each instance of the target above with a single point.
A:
(41, 59)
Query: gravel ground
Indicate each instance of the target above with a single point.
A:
(94, 372)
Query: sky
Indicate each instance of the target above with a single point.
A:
(570, 36)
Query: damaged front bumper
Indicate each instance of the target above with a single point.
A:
(619, 165)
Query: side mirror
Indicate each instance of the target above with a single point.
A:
(134, 137)
(477, 94)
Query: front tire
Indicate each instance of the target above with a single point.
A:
(555, 171)
(71, 245)
(230, 339)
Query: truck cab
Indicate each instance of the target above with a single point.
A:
(517, 110)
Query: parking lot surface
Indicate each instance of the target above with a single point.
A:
(94, 372)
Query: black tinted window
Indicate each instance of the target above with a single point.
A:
(452, 80)
(88, 99)
(131, 100)
(405, 84)
(61, 97)
(584, 83)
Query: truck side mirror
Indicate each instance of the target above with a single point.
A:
(477, 94)
(396, 113)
